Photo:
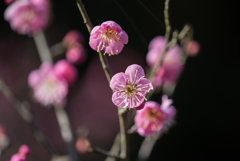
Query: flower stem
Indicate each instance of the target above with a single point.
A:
(62, 117)
(106, 68)
(22, 109)
(166, 19)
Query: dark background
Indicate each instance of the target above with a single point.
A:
(206, 95)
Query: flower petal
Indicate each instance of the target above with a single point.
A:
(95, 29)
(114, 47)
(111, 24)
(157, 42)
(95, 40)
(134, 73)
(118, 82)
(124, 37)
(144, 85)
(120, 99)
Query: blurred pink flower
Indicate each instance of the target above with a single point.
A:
(130, 87)
(28, 16)
(108, 37)
(24, 150)
(18, 157)
(76, 54)
(172, 63)
(153, 116)
(72, 37)
(64, 70)
(48, 88)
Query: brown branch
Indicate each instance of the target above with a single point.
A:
(166, 19)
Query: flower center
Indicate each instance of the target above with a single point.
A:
(131, 90)
(154, 114)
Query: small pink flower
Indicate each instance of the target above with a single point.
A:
(64, 70)
(18, 157)
(48, 88)
(28, 16)
(108, 37)
(76, 54)
(153, 116)
(130, 87)
(172, 63)
(72, 37)
(24, 150)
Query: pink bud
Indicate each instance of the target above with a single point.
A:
(24, 150)
(82, 145)
(76, 54)
(192, 48)
(73, 36)
(65, 70)
(140, 106)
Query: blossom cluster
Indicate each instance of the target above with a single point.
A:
(50, 83)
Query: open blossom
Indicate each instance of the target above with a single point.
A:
(130, 87)
(172, 63)
(153, 116)
(108, 37)
(28, 16)
(48, 88)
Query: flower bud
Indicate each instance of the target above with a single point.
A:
(65, 70)
(76, 54)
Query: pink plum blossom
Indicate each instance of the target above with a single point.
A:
(72, 37)
(172, 63)
(76, 54)
(28, 16)
(108, 37)
(64, 70)
(48, 88)
(130, 87)
(153, 116)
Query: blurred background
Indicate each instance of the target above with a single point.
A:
(206, 96)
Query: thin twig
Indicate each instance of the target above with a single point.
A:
(22, 109)
(115, 148)
(98, 150)
(166, 19)
(42, 47)
(139, 33)
(151, 13)
(106, 68)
